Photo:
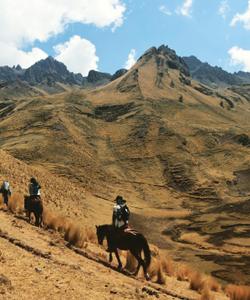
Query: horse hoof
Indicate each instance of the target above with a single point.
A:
(147, 277)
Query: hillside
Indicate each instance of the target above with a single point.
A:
(42, 258)
(176, 149)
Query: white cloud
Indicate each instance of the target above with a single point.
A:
(165, 10)
(240, 57)
(185, 9)
(242, 18)
(10, 56)
(23, 22)
(78, 54)
(224, 8)
(131, 59)
(26, 21)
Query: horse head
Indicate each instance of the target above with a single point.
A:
(101, 233)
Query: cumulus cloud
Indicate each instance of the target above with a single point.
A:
(78, 54)
(10, 55)
(131, 59)
(185, 9)
(224, 8)
(23, 22)
(240, 57)
(165, 10)
(26, 21)
(242, 18)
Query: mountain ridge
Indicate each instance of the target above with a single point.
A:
(49, 71)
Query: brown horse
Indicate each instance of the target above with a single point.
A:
(125, 240)
(34, 204)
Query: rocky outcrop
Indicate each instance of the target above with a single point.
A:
(118, 74)
(95, 77)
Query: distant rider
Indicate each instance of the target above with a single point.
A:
(34, 188)
(121, 214)
(6, 191)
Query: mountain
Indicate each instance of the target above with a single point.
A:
(8, 74)
(50, 71)
(244, 76)
(176, 149)
(52, 76)
(214, 76)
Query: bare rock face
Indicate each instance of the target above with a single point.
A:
(118, 74)
(95, 76)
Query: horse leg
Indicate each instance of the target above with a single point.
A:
(118, 259)
(139, 259)
(110, 257)
(146, 275)
(29, 216)
(37, 218)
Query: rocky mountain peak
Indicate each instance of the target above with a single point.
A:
(168, 57)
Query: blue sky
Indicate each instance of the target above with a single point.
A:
(207, 29)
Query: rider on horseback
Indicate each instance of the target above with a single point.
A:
(34, 188)
(120, 214)
(6, 191)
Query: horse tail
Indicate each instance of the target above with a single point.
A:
(147, 252)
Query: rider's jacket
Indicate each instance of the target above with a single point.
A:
(34, 189)
(120, 215)
(5, 186)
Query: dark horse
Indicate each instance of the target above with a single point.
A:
(125, 240)
(34, 204)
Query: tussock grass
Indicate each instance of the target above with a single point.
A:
(167, 266)
(74, 235)
(197, 282)
(90, 234)
(238, 292)
(155, 271)
(131, 262)
(16, 203)
(183, 273)
(213, 284)
(155, 252)
(206, 295)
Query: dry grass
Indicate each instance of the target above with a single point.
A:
(156, 272)
(74, 235)
(183, 273)
(206, 295)
(131, 262)
(16, 203)
(237, 292)
(167, 266)
(213, 284)
(90, 234)
(155, 252)
(197, 282)
(72, 232)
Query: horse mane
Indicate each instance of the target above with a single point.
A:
(105, 226)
